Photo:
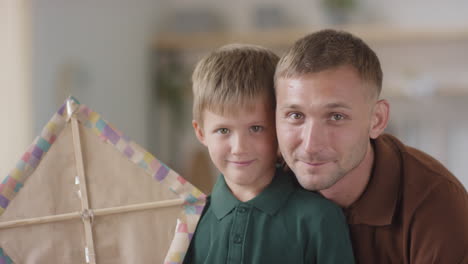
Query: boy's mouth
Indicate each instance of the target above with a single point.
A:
(241, 163)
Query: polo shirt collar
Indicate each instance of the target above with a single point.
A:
(378, 203)
(269, 201)
(275, 195)
(222, 200)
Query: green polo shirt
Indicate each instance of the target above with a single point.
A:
(283, 224)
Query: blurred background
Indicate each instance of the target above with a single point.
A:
(131, 61)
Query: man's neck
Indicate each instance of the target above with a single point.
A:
(348, 190)
(246, 192)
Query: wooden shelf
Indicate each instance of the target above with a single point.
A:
(283, 38)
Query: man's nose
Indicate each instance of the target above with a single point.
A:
(314, 136)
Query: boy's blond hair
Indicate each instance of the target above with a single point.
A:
(327, 49)
(231, 77)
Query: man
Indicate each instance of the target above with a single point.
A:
(402, 206)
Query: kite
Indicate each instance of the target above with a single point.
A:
(85, 193)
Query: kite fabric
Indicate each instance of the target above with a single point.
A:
(85, 193)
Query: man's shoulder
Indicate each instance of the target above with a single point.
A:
(419, 167)
(424, 178)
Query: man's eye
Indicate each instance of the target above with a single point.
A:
(295, 115)
(337, 117)
(222, 131)
(256, 128)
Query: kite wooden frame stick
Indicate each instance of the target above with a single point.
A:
(90, 255)
(96, 212)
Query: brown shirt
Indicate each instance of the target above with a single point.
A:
(413, 210)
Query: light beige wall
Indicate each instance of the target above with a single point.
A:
(15, 101)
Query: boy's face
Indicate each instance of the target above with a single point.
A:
(242, 144)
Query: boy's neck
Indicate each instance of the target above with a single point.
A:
(246, 193)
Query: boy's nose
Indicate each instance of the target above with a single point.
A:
(239, 144)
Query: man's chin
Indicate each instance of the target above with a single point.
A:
(309, 185)
(314, 182)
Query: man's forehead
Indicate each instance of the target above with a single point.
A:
(343, 81)
(328, 105)
(331, 93)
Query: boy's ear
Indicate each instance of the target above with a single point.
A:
(198, 132)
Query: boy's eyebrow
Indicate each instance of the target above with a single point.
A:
(257, 122)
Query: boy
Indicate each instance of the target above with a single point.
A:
(256, 213)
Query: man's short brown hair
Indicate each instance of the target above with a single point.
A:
(328, 49)
(232, 77)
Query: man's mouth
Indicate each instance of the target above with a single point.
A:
(314, 162)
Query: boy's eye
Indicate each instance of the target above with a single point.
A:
(337, 117)
(256, 128)
(222, 131)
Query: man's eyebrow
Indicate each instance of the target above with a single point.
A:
(338, 105)
(329, 105)
(290, 106)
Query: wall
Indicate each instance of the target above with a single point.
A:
(240, 15)
(15, 99)
(98, 51)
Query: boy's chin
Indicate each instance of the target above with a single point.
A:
(238, 179)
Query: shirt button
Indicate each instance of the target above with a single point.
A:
(242, 210)
(237, 239)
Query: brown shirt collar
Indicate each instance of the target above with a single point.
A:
(378, 203)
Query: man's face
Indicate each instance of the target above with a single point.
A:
(243, 144)
(323, 123)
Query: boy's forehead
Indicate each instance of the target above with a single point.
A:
(232, 109)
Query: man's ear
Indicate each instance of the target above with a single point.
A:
(198, 132)
(379, 119)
